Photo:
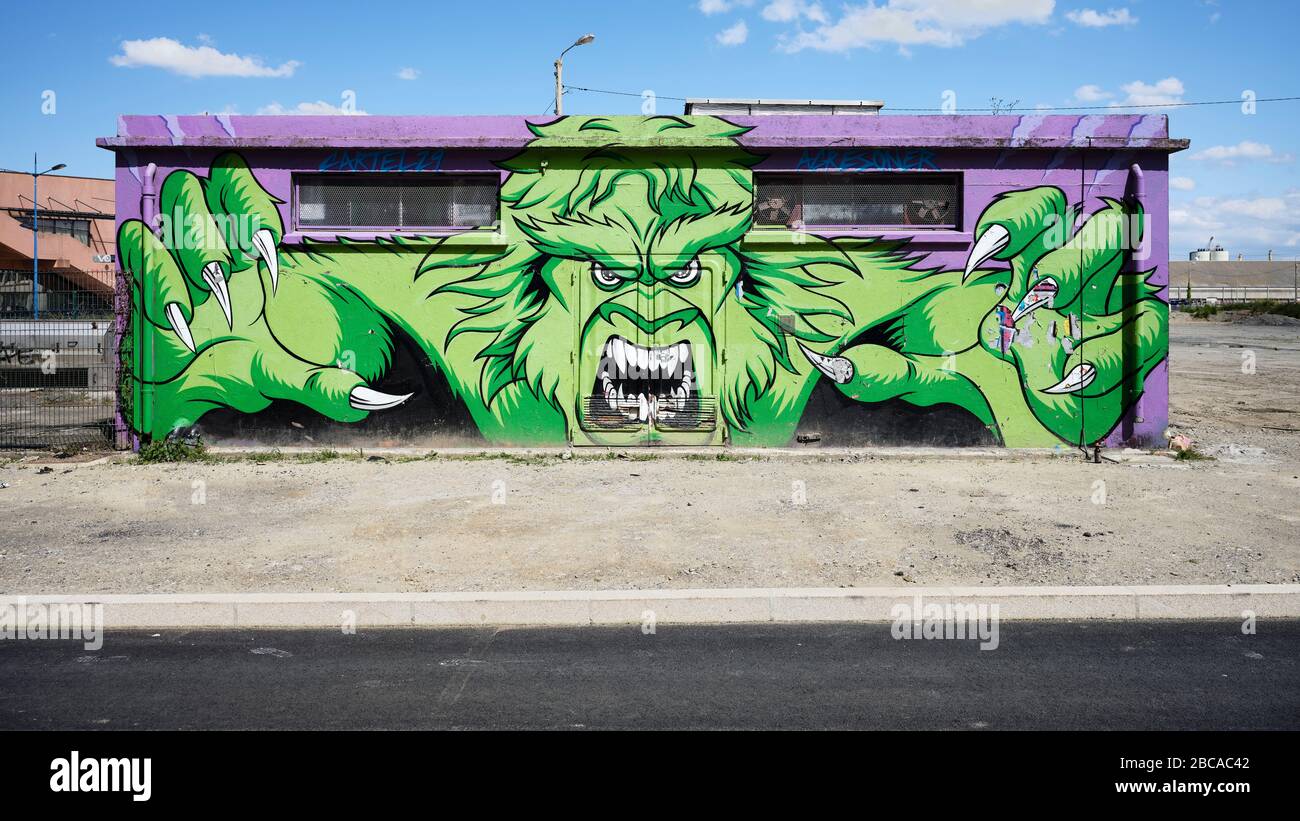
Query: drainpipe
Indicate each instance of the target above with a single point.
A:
(144, 350)
(149, 197)
(1137, 252)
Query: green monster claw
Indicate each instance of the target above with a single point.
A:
(621, 294)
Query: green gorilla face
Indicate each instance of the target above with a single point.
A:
(647, 345)
(642, 247)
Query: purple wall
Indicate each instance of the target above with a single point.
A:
(1087, 157)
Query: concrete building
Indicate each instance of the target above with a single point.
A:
(751, 279)
(1234, 280)
(77, 245)
(58, 370)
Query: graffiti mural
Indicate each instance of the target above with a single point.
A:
(623, 299)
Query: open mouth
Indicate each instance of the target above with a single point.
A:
(643, 383)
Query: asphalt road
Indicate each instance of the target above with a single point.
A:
(1102, 675)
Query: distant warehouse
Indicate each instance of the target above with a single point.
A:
(747, 273)
(1235, 280)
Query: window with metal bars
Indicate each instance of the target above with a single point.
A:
(78, 228)
(397, 202)
(857, 200)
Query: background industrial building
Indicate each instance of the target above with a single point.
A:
(57, 340)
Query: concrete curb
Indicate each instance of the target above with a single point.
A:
(810, 452)
(623, 607)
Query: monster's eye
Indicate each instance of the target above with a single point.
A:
(687, 275)
(603, 276)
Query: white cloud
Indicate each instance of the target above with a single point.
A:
(1182, 183)
(408, 73)
(1101, 19)
(1091, 94)
(1244, 150)
(1247, 225)
(943, 23)
(1163, 92)
(734, 35)
(1136, 94)
(319, 107)
(720, 6)
(786, 11)
(1261, 208)
(195, 61)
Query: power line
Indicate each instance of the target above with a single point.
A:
(994, 110)
(621, 93)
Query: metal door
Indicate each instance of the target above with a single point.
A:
(648, 359)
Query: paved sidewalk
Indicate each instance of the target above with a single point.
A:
(648, 607)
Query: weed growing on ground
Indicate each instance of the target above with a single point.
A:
(164, 451)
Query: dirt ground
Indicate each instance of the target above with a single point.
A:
(832, 519)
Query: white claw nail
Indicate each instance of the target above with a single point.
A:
(264, 242)
(217, 283)
(363, 398)
(838, 368)
(995, 238)
(1043, 293)
(1027, 306)
(1077, 379)
(179, 325)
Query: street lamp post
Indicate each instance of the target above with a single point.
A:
(36, 233)
(559, 72)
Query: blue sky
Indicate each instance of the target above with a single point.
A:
(1238, 182)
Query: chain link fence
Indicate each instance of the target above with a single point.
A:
(58, 372)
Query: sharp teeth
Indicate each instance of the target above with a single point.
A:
(668, 361)
(643, 381)
(620, 356)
